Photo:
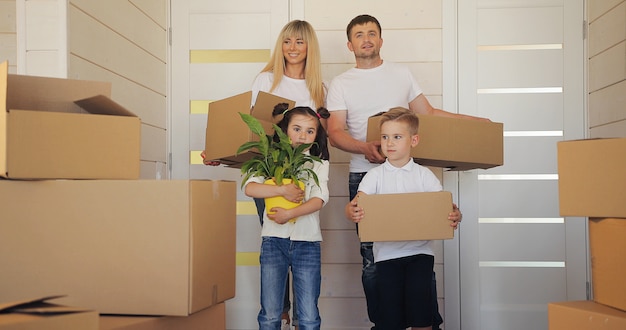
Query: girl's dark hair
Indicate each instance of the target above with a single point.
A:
(320, 147)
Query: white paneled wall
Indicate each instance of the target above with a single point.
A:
(123, 42)
(607, 68)
(8, 35)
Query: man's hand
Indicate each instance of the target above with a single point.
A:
(372, 152)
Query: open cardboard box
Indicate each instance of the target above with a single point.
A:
(453, 143)
(226, 131)
(37, 314)
(52, 128)
(592, 180)
(406, 217)
(140, 247)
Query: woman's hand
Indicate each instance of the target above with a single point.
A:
(207, 161)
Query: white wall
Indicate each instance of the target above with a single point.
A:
(8, 35)
(607, 68)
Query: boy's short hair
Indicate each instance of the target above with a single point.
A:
(402, 115)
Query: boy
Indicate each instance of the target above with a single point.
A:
(404, 268)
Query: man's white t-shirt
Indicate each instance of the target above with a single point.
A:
(366, 92)
(388, 179)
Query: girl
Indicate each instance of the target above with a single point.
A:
(293, 72)
(294, 244)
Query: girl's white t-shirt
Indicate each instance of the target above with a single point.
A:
(388, 179)
(306, 227)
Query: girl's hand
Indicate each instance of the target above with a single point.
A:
(292, 193)
(455, 216)
(279, 215)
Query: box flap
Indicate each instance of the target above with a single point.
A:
(102, 105)
(51, 94)
(23, 303)
(264, 106)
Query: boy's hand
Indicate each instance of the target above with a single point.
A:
(354, 213)
(455, 216)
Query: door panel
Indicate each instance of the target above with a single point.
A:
(516, 252)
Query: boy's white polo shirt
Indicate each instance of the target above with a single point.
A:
(388, 179)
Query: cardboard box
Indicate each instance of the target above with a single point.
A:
(144, 247)
(53, 128)
(405, 217)
(226, 131)
(37, 314)
(607, 244)
(212, 318)
(584, 315)
(457, 144)
(592, 180)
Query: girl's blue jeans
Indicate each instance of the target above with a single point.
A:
(304, 258)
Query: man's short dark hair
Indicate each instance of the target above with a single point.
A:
(362, 20)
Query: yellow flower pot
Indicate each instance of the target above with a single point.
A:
(280, 201)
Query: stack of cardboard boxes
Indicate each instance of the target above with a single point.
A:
(592, 183)
(77, 221)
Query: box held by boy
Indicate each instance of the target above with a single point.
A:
(52, 128)
(37, 314)
(226, 131)
(453, 143)
(406, 216)
(140, 247)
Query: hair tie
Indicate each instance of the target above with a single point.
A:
(284, 112)
(318, 115)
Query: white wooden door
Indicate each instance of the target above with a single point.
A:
(218, 47)
(520, 62)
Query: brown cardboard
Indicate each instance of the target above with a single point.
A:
(226, 131)
(45, 134)
(37, 314)
(584, 315)
(592, 180)
(456, 144)
(212, 318)
(607, 244)
(405, 217)
(146, 247)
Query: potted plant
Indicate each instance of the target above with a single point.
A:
(278, 161)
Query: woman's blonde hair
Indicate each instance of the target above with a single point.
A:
(312, 67)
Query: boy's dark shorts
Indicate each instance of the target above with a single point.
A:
(404, 288)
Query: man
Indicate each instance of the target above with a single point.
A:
(372, 86)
